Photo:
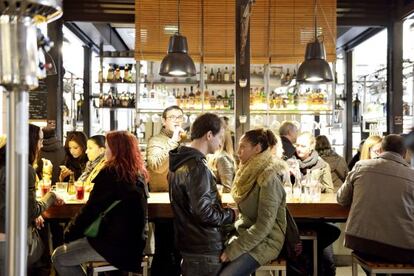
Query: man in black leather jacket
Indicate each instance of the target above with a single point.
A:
(195, 201)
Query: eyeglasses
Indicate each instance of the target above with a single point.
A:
(175, 118)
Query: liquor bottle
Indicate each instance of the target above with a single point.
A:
(288, 77)
(219, 98)
(79, 109)
(205, 74)
(356, 112)
(71, 185)
(212, 100)
(133, 74)
(171, 100)
(231, 99)
(212, 77)
(116, 99)
(197, 103)
(233, 75)
(219, 76)
(152, 94)
(206, 97)
(101, 100)
(117, 74)
(132, 100)
(127, 76)
(109, 101)
(124, 99)
(191, 98)
(110, 74)
(226, 75)
(226, 101)
(145, 94)
(184, 98)
(100, 76)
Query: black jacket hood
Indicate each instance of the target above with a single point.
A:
(51, 144)
(182, 154)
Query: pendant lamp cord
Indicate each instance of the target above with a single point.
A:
(178, 15)
(315, 22)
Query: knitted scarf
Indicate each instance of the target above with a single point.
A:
(247, 174)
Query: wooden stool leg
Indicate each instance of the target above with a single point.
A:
(354, 267)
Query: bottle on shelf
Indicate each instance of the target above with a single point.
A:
(191, 98)
(212, 100)
(226, 75)
(110, 74)
(231, 100)
(219, 98)
(226, 100)
(109, 100)
(219, 77)
(212, 77)
(206, 97)
(287, 78)
(127, 75)
(171, 100)
(233, 75)
(205, 74)
(117, 73)
(101, 100)
(184, 98)
(133, 74)
(198, 98)
(100, 75)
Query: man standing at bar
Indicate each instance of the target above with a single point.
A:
(288, 133)
(380, 192)
(166, 258)
(195, 200)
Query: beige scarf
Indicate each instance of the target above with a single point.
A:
(247, 175)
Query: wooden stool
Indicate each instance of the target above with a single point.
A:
(96, 267)
(277, 266)
(374, 267)
(313, 236)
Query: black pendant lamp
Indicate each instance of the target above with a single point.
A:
(315, 68)
(177, 62)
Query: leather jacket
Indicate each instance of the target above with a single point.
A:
(195, 202)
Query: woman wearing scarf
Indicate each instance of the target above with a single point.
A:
(261, 201)
(95, 150)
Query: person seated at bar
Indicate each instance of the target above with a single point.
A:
(35, 207)
(261, 201)
(95, 150)
(380, 193)
(371, 147)
(195, 200)
(356, 157)
(337, 164)
(166, 259)
(288, 132)
(75, 160)
(52, 150)
(121, 237)
(310, 162)
(222, 163)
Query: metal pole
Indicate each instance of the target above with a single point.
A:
(17, 182)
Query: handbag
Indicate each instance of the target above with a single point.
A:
(35, 244)
(93, 229)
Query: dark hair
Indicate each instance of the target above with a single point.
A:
(173, 107)
(3, 156)
(205, 123)
(99, 140)
(48, 132)
(265, 137)
(394, 143)
(77, 136)
(322, 143)
(126, 158)
(33, 143)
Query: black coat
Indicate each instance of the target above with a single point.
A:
(121, 238)
(54, 151)
(289, 149)
(195, 203)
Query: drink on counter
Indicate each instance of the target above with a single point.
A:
(45, 186)
(80, 190)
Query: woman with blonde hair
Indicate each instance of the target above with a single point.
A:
(371, 147)
(222, 163)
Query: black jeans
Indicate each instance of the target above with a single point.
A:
(201, 264)
(167, 258)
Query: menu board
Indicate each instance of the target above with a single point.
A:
(38, 102)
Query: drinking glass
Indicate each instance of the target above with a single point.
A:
(45, 186)
(61, 188)
(80, 190)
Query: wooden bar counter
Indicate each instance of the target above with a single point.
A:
(159, 207)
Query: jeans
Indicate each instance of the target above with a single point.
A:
(67, 259)
(201, 264)
(242, 266)
(2, 258)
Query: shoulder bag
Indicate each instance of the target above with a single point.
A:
(93, 229)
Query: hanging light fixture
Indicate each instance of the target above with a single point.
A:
(315, 68)
(177, 62)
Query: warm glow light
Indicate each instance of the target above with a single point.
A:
(177, 73)
(314, 79)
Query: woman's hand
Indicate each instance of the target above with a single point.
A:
(64, 172)
(39, 222)
(224, 258)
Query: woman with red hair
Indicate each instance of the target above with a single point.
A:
(121, 237)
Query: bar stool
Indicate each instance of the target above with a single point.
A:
(374, 267)
(95, 267)
(276, 267)
(311, 235)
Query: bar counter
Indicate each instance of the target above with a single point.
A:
(159, 207)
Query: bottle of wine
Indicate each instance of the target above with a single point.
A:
(226, 101)
(231, 99)
(356, 112)
(233, 75)
(212, 100)
(191, 98)
(219, 76)
(212, 77)
(226, 75)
